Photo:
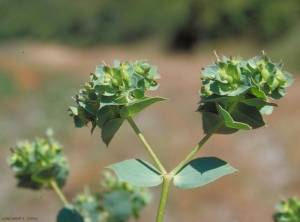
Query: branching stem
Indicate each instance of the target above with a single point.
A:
(202, 142)
(146, 145)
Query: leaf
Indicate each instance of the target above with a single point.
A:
(109, 129)
(249, 115)
(73, 110)
(79, 122)
(90, 108)
(219, 98)
(139, 106)
(230, 122)
(104, 115)
(118, 205)
(257, 102)
(137, 172)
(69, 214)
(201, 171)
(209, 120)
(44, 175)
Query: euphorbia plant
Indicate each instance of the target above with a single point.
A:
(234, 96)
(40, 164)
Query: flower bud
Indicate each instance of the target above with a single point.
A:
(115, 82)
(139, 70)
(145, 67)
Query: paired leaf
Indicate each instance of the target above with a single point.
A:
(201, 171)
(135, 108)
(257, 102)
(137, 172)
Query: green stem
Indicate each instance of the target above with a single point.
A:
(167, 178)
(58, 191)
(147, 146)
(202, 142)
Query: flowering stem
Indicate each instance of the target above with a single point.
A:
(58, 191)
(147, 146)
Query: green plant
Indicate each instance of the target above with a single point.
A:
(41, 164)
(234, 96)
(288, 210)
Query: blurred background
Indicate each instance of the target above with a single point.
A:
(48, 48)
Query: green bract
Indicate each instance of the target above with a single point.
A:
(37, 163)
(237, 91)
(114, 93)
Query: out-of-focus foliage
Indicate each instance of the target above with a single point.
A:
(181, 23)
(40, 162)
(117, 203)
(288, 210)
(37, 163)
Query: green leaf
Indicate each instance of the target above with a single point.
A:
(69, 214)
(230, 122)
(201, 171)
(110, 128)
(79, 122)
(104, 115)
(209, 120)
(219, 98)
(137, 172)
(88, 107)
(249, 115)
(139, 106)
(44, 175)
(118, 205)
(257, 102)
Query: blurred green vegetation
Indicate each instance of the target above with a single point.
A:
(181, 24)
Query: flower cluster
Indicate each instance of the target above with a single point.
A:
(37, 163)
(248, 84)
(109, 90)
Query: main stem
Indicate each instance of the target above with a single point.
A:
(147, 146)
(58, 191)
(167, 178)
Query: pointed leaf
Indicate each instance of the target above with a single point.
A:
(69, 214)
(258, 102)
(209, 120)
(79, 122)
(139, 106)
(110, 128)
(137, 172)
(219, 98)
(201, 171)
(230, 122)
(249, 115)
(104, 115)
